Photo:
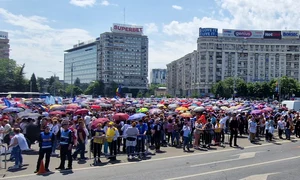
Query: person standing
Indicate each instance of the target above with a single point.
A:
(252, 129)
(99, 137)
(233, 126)
(281, 125)
(54, 131)
(81, 134)
(111, 136)
(157, 135)
(18, 144)
(46, 142)
(142, 127)
(65, 145)
(186, 133)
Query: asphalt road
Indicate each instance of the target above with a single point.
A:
(273, 162)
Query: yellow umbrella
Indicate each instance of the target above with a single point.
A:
(55, 106)
(181, 109)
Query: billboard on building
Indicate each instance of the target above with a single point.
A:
(272, 35)
(3, 35)
(290, 34)
(208, 32)
(242, 33)
(130, 29)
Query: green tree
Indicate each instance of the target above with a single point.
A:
(95, 88)
(20, 83)
(77, 82)
(33, 83)
(41, 84)
(76, 90)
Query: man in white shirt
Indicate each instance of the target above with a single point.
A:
(55, 129)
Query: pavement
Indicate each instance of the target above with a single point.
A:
(264, 160)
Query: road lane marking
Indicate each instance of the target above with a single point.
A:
(150, 160)
(259, 176)
(234, 168)
(241, 156)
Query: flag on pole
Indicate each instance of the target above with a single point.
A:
(6, 102)
(118, 91)
(276, 87)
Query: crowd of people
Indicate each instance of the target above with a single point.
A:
(108, 132)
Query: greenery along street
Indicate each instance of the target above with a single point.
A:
(13, 79)
(287, 87)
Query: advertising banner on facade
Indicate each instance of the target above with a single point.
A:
(130, 29)
(272, 35)
(3, 35)
(290, 34)
(242, 33)
(208, 32)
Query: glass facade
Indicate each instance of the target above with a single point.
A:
(83, 58)
(123, 58)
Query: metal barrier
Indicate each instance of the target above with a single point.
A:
(5, 159)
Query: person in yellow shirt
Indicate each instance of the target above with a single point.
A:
(112, 135)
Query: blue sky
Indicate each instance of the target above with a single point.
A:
(40, 30)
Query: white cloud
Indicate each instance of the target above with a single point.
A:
(246, 14)
(177, 7)
(150, 28)
(38, 45)
(83, 3)
(107, 3)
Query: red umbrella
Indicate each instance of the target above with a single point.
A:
(81, 111)
(70, 110)
(72, 106)
(118, 105)
(98, 121)
(120, 116)
(96, 107)
(57, 113)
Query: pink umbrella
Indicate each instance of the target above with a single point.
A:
(98, 121)
(81, 111)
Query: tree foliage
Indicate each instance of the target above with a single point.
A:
(284, 86)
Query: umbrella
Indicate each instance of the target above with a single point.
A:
(268, 109)
(72, 106)
(215, 108)
(57, 113)
(256, 112)
(186, 115)
(118, 105)
(172, 106)
(96, 107)
(98, 121)
(199, 109)
(155, 111)
(28, 115)
(12, 109)
(105, 105)
(57, 107)
(81, 111)
(143, 110)
(181, 109)
(136, 116)
(120, 116)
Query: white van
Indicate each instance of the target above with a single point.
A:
(295, 105)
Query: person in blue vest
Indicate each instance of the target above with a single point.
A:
(46, 140)
(142, 127)
(65, 146)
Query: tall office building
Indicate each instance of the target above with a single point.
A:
(4, 45)
(81, 62)
(252, 55)
(123, 57)
(158, 76)
(119, 56)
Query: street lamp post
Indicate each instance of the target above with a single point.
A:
(72, 79)
(54, 73)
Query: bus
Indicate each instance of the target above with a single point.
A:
(23, 94)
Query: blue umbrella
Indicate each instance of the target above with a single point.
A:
(136, 116)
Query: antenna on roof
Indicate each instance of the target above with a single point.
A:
(124, 15)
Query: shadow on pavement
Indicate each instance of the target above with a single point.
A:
(66, 172)
(99, 164)
(10, 169)
(45, 174)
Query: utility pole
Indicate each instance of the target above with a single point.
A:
(72, 80)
